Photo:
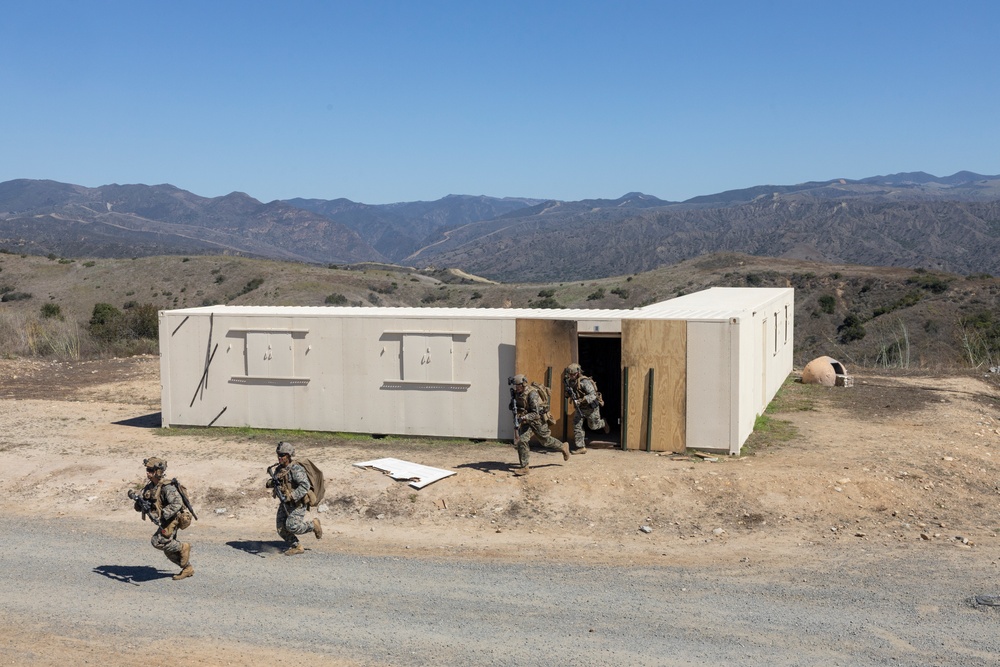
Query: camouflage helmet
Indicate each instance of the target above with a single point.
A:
(573, 369)
(285, 448)
(155, 462)
(518, 379)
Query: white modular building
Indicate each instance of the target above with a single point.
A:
(690, 372)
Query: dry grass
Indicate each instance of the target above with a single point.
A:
(923, 332)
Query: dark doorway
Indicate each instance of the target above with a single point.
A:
(601, 359)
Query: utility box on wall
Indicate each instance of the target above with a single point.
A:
(443, 371)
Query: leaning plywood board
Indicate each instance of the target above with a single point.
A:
(546, 347)
(660, 347)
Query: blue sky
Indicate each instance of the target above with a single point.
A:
(382, 102)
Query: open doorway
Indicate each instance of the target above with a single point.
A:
(601, 358)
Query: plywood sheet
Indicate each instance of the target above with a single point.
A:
(546, 347)
(416, 474)
(660, 347)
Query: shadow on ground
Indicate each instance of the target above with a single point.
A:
(131, 574)
(258, 547)
(152, 420)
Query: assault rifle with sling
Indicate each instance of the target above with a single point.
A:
(141, 504)
(513, 408)
(571, 392)
(275, 483)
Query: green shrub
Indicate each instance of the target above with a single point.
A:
(929, 281)
(15, 296)
(852, 329)
(50, 310)
(596, 295)
(546, 302)
(249, 287)
(110, 325)
(336, 299)
(827, 303)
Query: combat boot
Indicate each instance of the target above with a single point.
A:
(565, 451)
(607, 426)
(520, 472)
(185, 573)
(185, 558)
(292, 550)
(317, 529)
(579, 450)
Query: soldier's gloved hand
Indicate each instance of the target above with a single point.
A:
(269, 484)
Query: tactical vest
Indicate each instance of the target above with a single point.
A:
(317, 485)
(154, 494)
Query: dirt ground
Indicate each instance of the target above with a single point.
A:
(902, 460)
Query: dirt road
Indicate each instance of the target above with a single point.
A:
(891, 481)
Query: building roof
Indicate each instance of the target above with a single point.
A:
(713, 304)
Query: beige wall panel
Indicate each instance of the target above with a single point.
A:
(660, 345)
(710, 397)
(543, 344)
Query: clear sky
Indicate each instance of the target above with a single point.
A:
(383, 102)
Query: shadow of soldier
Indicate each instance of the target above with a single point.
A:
(258, 547)
(489, 467)
(131, 574)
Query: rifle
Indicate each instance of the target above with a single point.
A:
(275, 484)
(513, 408)
(571, 392)
(184, 498)
(141, 504)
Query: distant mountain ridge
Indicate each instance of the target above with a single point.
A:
(910, 219)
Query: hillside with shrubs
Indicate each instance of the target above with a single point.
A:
(862, 316)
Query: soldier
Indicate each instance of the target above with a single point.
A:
(582, 390)
(531, 417)
(166, 505)
(290, 484)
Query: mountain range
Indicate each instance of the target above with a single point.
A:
(912, 220)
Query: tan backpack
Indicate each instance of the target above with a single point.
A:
(316, 483)
(546, 397)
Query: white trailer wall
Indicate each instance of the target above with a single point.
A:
(294, 369)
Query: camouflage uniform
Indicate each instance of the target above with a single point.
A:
(533, 418)
(587, 406)
(167, 512)
(290, 520)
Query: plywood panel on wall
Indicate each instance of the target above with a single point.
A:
(659, 346)
(546, 347)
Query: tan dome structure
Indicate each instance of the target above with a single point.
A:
(824, 371)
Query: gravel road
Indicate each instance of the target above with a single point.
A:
(66, 579)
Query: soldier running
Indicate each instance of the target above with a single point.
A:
(166, 505)
(582, 391)
(531, 418)
(290, 484)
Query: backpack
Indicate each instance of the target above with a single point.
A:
(543, 393)
(316, 482)
(185, 514)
